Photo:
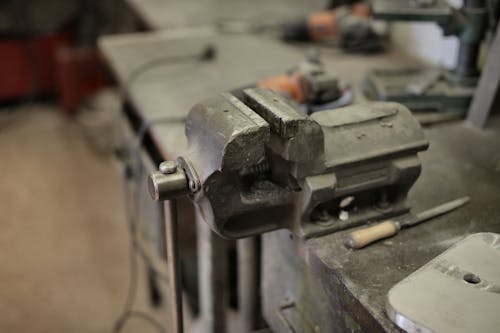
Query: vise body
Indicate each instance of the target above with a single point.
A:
(257, 163)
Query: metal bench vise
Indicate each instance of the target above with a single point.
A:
(258, 164)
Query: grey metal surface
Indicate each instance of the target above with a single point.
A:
(438, 11)
(458, 291)
(164, 186)
(174, 268)
(170, 90)
(434, 212)
(293, 299)
(167, 14)
(419, 89)
(461, 160)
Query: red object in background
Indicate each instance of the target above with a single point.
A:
(80, 72)
(27, 65)
(46, 65)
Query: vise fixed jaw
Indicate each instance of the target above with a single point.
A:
(260, 164)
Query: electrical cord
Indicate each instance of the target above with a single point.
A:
(132, 290)
(136, 247)
(138, 167)
(133, 214)
(155, 323)
(130, 300)
(208, 53)
(127, 312)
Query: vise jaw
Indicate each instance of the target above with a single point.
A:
(256, 164)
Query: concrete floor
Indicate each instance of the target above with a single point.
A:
(64, 250)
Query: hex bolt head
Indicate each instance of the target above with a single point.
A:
(343, 215)
(168, 167)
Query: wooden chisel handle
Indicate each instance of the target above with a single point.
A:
(362, 237)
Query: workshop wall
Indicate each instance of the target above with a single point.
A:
(425, 40)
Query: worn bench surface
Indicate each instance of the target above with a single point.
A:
(462, 160)
(167, 14)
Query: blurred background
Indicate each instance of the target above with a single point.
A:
(64, 232)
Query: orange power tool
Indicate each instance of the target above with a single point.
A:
(295, 84)
(307, 84)
(326, 24)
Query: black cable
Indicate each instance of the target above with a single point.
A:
(155, 323)
(208, 53)
(139, 169)
(127, 312)
(135, 245)
(131, 294)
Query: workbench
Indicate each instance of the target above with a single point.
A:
(462, 160)
(240, 60)
(169, 14)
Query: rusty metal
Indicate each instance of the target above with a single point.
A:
(311, 163)
(314, 162)
(257, 163)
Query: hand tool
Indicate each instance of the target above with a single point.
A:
(362, 237)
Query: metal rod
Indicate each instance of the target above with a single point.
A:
(174, 267)
(435, 212)
(248, 283)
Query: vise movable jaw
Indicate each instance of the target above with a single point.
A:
(257, 164)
